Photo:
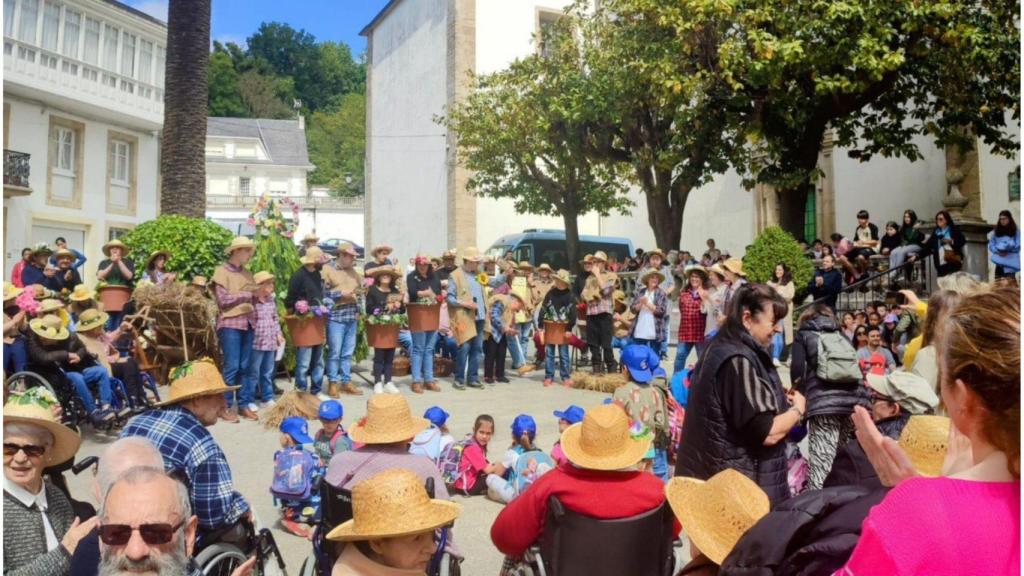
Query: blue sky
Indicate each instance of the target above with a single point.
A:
(236, 20)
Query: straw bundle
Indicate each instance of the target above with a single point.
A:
(606, 383)
(291, 403)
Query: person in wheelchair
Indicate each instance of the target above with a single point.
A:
(394, 527)
(59, 357)
(15, 355)
(601, 481)
(101, 344)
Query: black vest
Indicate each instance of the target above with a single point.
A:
(709, 443)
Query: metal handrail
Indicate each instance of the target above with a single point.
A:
(856, 286)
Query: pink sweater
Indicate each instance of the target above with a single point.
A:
(939, 526)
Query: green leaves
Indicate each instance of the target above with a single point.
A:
(772, 247)
(196, 245)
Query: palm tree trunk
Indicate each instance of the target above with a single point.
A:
(183, 158)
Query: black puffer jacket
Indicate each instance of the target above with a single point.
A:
(823, 399)
(851, 465)
(810, 534)
(709, 443)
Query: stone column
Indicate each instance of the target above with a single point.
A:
(963, 201)
(461, 62)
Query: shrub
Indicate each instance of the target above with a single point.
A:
(196, 245)
(771, 247)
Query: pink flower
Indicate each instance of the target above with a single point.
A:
(252, 222)
(302, 306)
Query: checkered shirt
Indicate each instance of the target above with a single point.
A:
(267, 326)
(691, 320)
(187, 446)
(226, 300)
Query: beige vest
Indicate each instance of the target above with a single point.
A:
(506, 312)
(463, 321)
(98, 347)
(541, 289)
(592, 289)
(234, 282)
(347, 280)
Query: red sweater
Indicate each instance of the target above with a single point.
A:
(605, 495)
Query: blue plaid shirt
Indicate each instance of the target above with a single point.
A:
(187, 445)
(344, 312)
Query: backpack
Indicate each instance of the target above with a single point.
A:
(428, 443)
(338, 442)
(655, 407)
(450, 464)
(293, 474)
(522, 476)
(837, 360)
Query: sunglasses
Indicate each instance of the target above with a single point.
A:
(29, 450)
(152, 534)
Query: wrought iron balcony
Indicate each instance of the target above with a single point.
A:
(16, 169)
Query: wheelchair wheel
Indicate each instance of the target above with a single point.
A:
(308, 566)
(149, 385)
(19, 382)
(219, 559)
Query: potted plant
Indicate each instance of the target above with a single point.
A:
(382, 328)
(113, 296)
(308, 324)
(425, 314)
(556, 324)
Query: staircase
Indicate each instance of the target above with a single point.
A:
(881, 285)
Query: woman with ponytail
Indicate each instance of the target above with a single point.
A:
(968, 520)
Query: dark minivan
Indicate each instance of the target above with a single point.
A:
(539, 246)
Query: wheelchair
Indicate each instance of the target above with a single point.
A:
(216, 558)
(335, 509)
(73, 412)
(574, 544)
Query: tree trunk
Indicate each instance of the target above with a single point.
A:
(665, 205)
(572, 233)
(183, 157)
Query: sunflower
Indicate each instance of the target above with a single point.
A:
(482, 278)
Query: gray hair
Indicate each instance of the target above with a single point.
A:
(37, 433)
(123, 455)
(143, 474)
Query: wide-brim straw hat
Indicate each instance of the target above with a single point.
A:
(388, 420)
(155, 255)
(524, 265)
(563, 277)
(715, 514)
(696, 269)
(195, 379)
(50, 305)
(393, 503)
(471, 254)
(65, 440)
(310, 237)
(649, 273)
(114, 244)
(262, 276)
(384, 271)
(82, 293)
(588, 258)
(313, 255)
(544, 266)
(91, 319)
(381, 248)
(11, 291)
(199, 281)
(603, 441)
(49, 327)
(600, 256)
(734, 265)
(64, 253)
(925, 440)
(347, 248)
(619, 296)
(717, 269)
(655, 252)
(449, 254)
(238, 243)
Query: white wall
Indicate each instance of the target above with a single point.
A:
(504, 30)
(993, 171)
(408, 86)
(721, 209)
(29, 133)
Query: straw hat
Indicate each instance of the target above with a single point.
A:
(114, 244)
(544, 266)
(11, 291)
(91, 319)
(382, 248)
(448, 254)
(600, 256)
(310, 237)
(563, 277)
(199, 281)
(346, 248)
(925, 439)
(393, 503)
(42, 248)
(50, 328)
(649, 273)
(155, 255)
(655, 252)
(313, 255)
(49, 305)
(702, 271)
(262, 276)
(603, 440)
(64, 253)
(588, 259)
(382, 271)
(238, 243)
(734, 265)
(195, 379)
(471, 254)
(81, 293)
(715, 514)
(27, 409)
(717, 269)
(619, 296)
(525, 266)
(388, 420)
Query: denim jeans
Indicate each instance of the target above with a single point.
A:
(341, 344)
(236, 346)
(654, 345)
(563, 361)
(899, 255)
(525, 333)
(660, 465)
(421, 359)
(309, 362)
(446, 347)
(467, 360)
(259, 378)
(113, 321)
(778, 343)
(92, 375)
(405, 340)
(621, 343)
(682, 353)
(15, 356)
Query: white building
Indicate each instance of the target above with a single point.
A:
(83, 110)
(249, 157)
(418, 56)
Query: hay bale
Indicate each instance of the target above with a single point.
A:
(291, 403)
(606, 383)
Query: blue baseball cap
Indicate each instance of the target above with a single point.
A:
(297, 428)
(331, 410)
(524, 424)
(573, 414)
(436, 415)
(641, 362)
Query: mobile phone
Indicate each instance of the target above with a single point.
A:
(894, 298)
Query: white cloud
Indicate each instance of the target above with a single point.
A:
(155, 8)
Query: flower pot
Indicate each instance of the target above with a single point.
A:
(306, 331)
(424, 317)
(382, 335)
(114, 297)
(555, 333)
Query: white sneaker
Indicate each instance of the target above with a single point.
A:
(323, 397)
(268, 404)
(777, 362)
(378, 388)
(252, 407)
(390, 388)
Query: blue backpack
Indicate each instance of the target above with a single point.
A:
(530, 466)
(293, 474)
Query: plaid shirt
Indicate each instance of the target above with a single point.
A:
(267, 327)
(187, 446)
(226, 300)
(345, 312)
(692, 321)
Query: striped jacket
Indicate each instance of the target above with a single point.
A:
(25, 540)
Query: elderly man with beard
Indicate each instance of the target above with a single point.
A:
(147, 526)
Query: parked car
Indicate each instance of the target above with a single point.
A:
(330, 246)
(538, 246)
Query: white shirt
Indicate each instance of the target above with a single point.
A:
(646, 327)
(28, 499)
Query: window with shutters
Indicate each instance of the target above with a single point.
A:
(51, 26)
(72, 27)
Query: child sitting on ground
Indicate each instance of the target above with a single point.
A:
(473, 466)
(331, 438)
(571, 415)
(435, 440)
(295, 474)
(513, 476)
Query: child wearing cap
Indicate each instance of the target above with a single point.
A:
(433, 441)
(503, 484)
(571, 415)
(267, 338)
(296, 471)
(331, 438)
(645, 399)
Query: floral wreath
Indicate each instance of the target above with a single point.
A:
(270, 214)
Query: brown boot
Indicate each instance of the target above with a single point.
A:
(525, 369)
(432, 386)
(350, 388)
(417, 387)
(334, 389)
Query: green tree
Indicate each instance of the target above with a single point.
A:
(265, 96)
(522, 132)
(772, 247)
(337, 144)
(224, 98)
(196, 244)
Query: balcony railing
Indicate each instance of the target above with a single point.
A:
(16, 169)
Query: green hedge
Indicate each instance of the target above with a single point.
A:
(772, 246)
(196, 245)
